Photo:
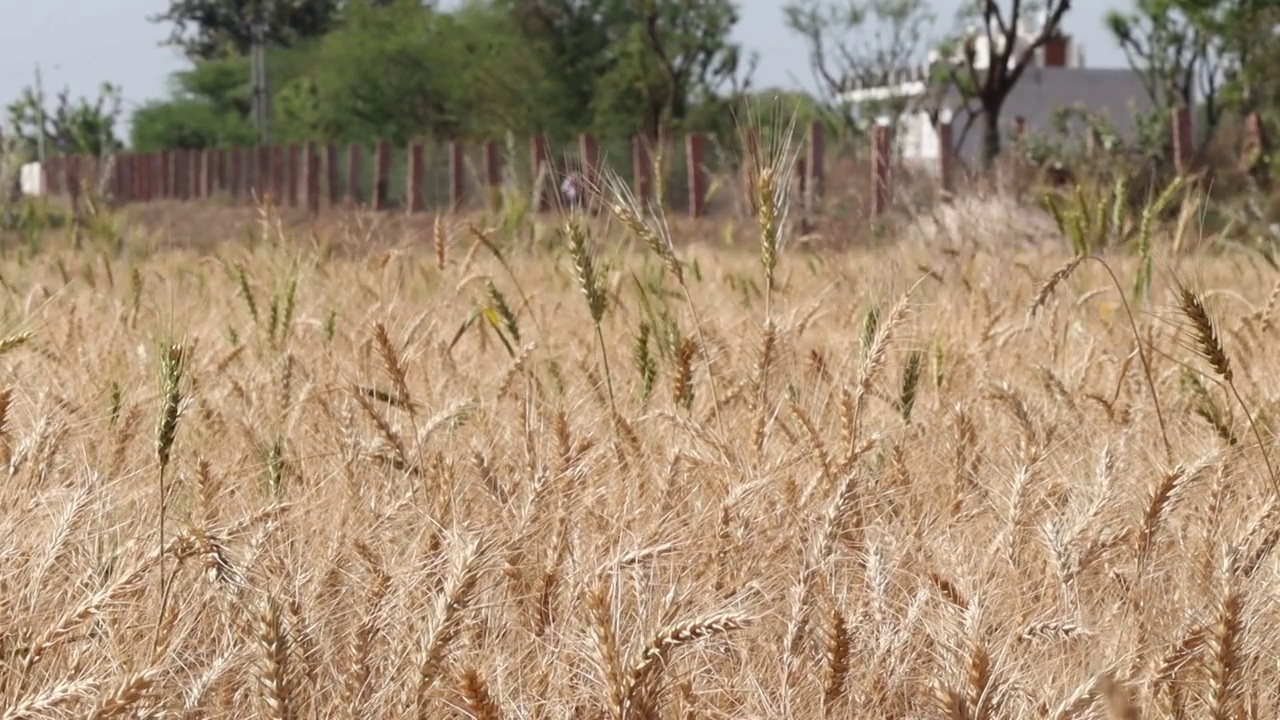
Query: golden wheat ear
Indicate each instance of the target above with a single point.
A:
(1205, 338)
(1206, 342)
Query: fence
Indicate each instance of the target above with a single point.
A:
(384, 178)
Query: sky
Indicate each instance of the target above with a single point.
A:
(79, 45)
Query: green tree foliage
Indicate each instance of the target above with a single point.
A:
(210, 29)
(1218, 57)
(1178, 61)
(577, 42)
(624, 66)
(689, 39)
(404, 69)
(1242, 33)
(73, 127)
(210, 103)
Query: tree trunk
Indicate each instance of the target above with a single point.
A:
(990, 135)
(653, 117)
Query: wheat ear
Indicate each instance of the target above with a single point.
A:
(475, 690)
(446, 620)
(1207, 343)
(1065, 271)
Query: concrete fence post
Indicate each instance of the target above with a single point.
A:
(166, 175)
(589, 157)
(220, 169)
(382, 171)
(277, 176)
(1251, 144)
(695, 147)
(589, 161)
(195, 172)
(492, 164)
(191, 174)
(311, 177)
(136, 166)
(210, 163)
(150, 176)
(262, 171)
(72, 174)
(457, 175)
(292, 167)
(120, 177)
(1183, 142)
(354, 160)
(236, 179)
(540, 167)
(881, 176)
(181, 173)
(120, 188)
(413, 180)
(50, 172)
(641, 169)
(172, 174)
(159, 185)
(816, 170)
(139, 177)
(332, 179)
(946, 157)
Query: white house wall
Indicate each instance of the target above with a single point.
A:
(1116, 94)
(1111, 92)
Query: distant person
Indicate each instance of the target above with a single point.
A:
(571, 190)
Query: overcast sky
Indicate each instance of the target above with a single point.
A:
(80, 44)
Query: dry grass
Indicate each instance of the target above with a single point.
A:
(807, 485)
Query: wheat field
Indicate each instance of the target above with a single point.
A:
(624, 475)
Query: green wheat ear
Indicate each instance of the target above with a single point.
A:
(498, 303)
(939, 367)
(911, 373)
(646, 364)
(870, 324)
(1152, 210)
(172, 367)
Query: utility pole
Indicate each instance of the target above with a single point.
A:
(258, 71)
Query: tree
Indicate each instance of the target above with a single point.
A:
(77, 127)
(210, 103)
(1009, 53)
(1240, 31)
(209, 29)
(1217, 55)
(689, 43)
(574, 41)
(838, 53)
(404, 71)
(1176, 58)
(622, 66)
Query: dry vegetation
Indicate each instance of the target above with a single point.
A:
(645, 479)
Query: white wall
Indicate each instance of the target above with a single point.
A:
(1113, 93)
(31, 179)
